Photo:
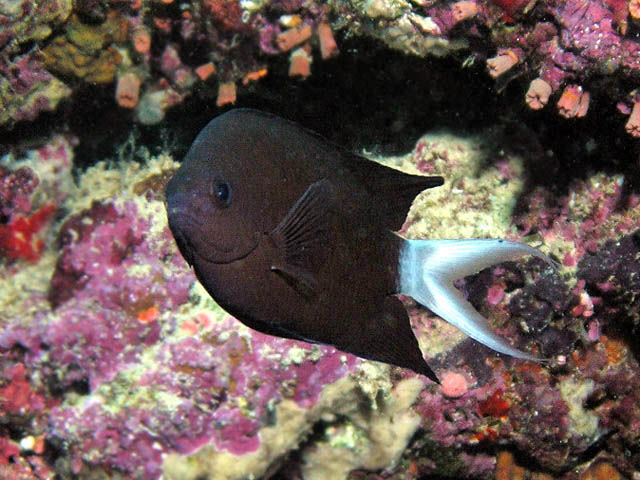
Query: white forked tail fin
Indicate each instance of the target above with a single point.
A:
(428, 269)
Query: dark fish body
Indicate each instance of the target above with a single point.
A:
(294, 236)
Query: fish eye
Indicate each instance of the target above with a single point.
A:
(222, 193)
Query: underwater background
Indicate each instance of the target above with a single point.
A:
(115, 363)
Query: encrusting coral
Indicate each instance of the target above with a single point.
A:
(87, 51)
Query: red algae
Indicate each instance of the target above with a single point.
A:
(19, 238)
(17, 397)
(8, 451)
(495, 405)
(511, 7)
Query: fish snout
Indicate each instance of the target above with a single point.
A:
(183, 221)
(184, 207)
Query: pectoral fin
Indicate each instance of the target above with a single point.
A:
(301, 238)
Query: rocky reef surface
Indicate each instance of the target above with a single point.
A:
(153, 54)
(117, 364)
(115, 359)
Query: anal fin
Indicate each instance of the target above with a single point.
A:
(387, 337)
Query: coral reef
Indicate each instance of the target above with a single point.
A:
(570, 51)
(154, 51)
(115, 363)
(566, 45)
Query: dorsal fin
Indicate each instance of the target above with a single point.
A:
(392, 190)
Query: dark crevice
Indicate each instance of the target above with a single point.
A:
(374, 99)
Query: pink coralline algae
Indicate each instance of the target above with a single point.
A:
(27, 89)
(98, 295)
(112, 331)
(206, 379)
(16, 188)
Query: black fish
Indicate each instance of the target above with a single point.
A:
(294, 237)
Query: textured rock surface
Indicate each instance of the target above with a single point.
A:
(116, 364)
(571, 52)
(116, 360)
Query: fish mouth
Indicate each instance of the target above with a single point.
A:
(194, 242)
(185, 247)
(181, 215)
